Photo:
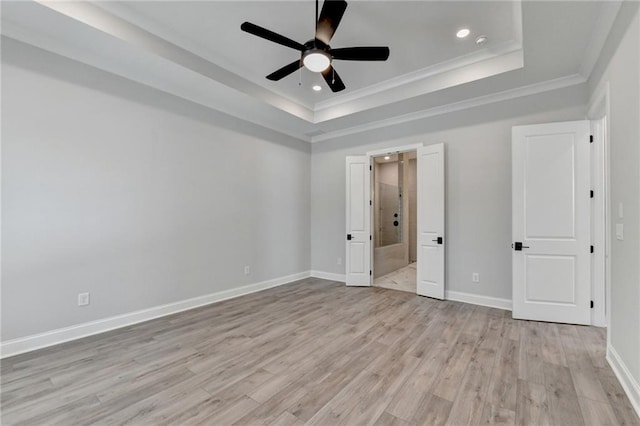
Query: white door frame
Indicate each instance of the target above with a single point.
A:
(599, 114)
(378, 153)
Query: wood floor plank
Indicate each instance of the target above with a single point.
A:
(597, 413)
(618, 400)
(532, 407)
(563, 400)
(492, 415)
(504, 380)
(318, 352)
(433, 410)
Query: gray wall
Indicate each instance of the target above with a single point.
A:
(619, 64)
(478, 184)
(135, 196)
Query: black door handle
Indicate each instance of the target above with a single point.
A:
(349, 237)
(438, 240)
(517, 246)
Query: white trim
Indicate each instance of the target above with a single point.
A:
(477, 299)
(108, 23)
(531, 89)
(457, 296)
(599, 107)
(61, 335)
(422, 77)
(395, 149)
(329, 276)
(627, 381)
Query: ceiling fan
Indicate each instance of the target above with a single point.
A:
(316, 54)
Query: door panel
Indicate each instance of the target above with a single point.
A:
(551, 218)
(430, 268)
(358, 249)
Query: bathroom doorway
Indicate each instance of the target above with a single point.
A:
(394, 199)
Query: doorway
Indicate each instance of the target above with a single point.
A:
(430, 218)
(394, 195)
(559, 221)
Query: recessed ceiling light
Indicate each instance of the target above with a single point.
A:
(481, 40)
(463, 33)
(386, 157)
(316, 87)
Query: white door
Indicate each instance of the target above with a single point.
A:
(358, 235)
(551, 222)
(431, 238)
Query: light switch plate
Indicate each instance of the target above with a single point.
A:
(619, 231)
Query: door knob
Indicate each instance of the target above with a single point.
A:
(517, 246)
(438, 240)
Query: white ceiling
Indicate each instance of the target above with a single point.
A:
(197, 51)
(419, 35)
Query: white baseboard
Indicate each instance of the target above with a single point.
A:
(476, 299)
(329, 276)
(628, 382)
(61, 335)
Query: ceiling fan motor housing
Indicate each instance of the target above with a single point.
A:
(316, 56)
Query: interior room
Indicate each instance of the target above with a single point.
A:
(199, 200)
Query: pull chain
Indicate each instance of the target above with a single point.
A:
(300, 74)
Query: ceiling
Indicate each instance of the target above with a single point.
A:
(196, 50)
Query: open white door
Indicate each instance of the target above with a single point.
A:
(430, 268)
(358, 253)
(551, 222)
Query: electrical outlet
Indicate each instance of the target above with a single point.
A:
(247, 270)
(339, 261)
(83, 299)
(475, 277)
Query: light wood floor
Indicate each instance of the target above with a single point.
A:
(320, 353)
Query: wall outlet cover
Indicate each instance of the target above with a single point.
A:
(83, 299)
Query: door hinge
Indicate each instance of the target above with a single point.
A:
(370, 272)
(590, 138)
(370, 237)
(592, 304)
(370, 202)
(370, 168)
(591, 193)
(591, 249)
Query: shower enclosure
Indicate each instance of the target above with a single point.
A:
(392, 211)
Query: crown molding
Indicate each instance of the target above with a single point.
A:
(419, 75)
(430, 83)
(424, 81)
(117, 22)
(532, 89)
(117, 27)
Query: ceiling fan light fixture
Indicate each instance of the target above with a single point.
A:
(316, 60)
(316, 87)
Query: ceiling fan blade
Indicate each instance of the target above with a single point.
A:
(361, 53)
(333, 79)
(270, 35)
(285, 71)
(330, 16)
